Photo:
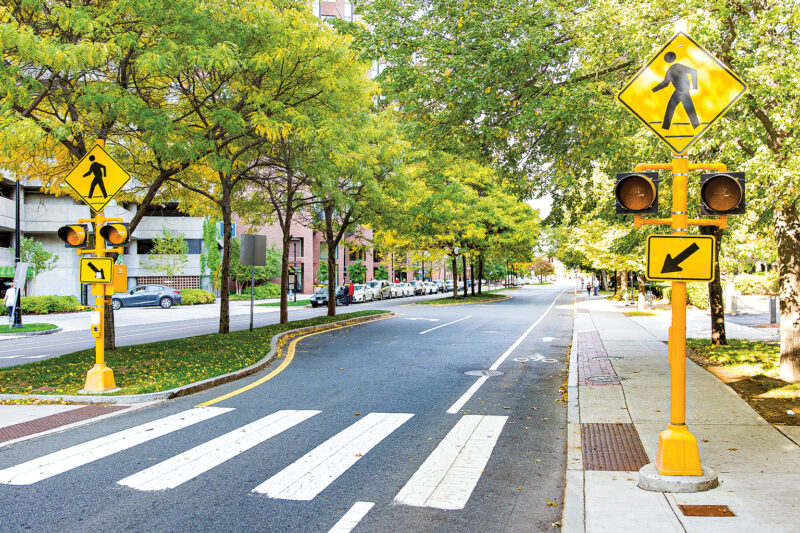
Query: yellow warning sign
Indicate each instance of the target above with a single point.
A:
(97, 178)
(681, 92)
(680, 258)
(96, 270)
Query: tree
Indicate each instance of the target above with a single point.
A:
(39, 260)
(241, 274)
(322, 272)
(169, 254)
(210, 259)
(381, 272)
(542, 268)
(357, 271)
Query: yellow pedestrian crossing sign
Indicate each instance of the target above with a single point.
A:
(96, 270)
(681, 91)
(97, 178)
(680, 258)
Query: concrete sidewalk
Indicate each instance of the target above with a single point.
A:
(618, 404)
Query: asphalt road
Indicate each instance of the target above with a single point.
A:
(376, 425)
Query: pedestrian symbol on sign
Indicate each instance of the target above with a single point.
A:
(99, 172)
(678, 75)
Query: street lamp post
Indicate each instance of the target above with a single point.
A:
(295, 269)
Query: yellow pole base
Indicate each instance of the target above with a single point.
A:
(677, 453)
(99, 379)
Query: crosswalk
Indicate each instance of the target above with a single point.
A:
(445, 480)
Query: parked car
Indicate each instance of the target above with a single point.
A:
(147, 295)
(440, 285)
(408, 289)
(448, 285)
(320, 297)
(398, 290)
(419, 288)
(380, 289)
(362, 293)
(431, 287)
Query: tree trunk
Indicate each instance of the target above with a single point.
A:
(642, 299)
(464, 274)
(109, 341)
(287, 239)
(472, 276)
(623, 283)
(616, 282)
(604, 280)
(225, 268)
(715, 302)
(455, 277)
(480, 275)
(787, 236)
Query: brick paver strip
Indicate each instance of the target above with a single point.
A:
(593, 361)
(613, 447)
(46, 423)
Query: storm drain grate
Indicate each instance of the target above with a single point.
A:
(24, 429)
(706, 510)
(613, 447)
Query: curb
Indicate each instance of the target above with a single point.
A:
(572, 516)
(197, 386)
(11, 334)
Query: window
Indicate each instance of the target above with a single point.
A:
(357, 255)
(195, 246)
(296, 247)
(143, 246)
(323, 251)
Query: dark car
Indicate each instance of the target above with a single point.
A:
(147, 295)
(320, 297)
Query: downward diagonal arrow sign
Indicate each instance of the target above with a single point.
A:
(674, 264)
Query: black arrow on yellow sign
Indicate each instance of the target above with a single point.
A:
(674, 264)
(98, 272)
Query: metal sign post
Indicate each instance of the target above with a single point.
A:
(253, 252)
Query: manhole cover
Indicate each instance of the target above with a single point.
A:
(483, 373)
(605, 378)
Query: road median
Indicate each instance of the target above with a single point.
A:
(165, 369)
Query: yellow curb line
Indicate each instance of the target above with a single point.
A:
(466, 303)
(287, 360)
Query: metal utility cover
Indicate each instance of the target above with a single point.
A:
(96, 270)
(706, 510)
(681, 91)
(680, 258)
(97, 178)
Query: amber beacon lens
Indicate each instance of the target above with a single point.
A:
(636, 192)
(115, 234)
(722, 193)
(74, 236)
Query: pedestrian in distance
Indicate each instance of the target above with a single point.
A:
(589, 289)
(596, 286)
(351, 289)
(10, 301)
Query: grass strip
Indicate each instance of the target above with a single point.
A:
(478, 298)
(157, 366)
(298, 303)
(7, 330)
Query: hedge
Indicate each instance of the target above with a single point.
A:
(757, 283)
(261, 292)
(196, 296)
(696, 294)
(43, 305)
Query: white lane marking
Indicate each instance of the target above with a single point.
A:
(456, 407)
(12, 356)
(200, 459)
(427, 319)
(312, 473)
(548, 339)
(352, 517)
(477, 385)
(81, 454)
(449, 475)
(443, 325)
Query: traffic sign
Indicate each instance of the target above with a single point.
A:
(96, 270)
(97, 178)
(681, 91)
(680, 258)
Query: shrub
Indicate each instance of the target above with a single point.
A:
(43, 305)
(696, 294)
(261, 292)
(196, 296)
(765, 283)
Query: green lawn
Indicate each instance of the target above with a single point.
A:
(156, 366)
(6, 330)
(447, 300)
(298, 303)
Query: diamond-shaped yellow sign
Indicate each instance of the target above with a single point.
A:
(681, 92)
(97, 178)
(680, 258)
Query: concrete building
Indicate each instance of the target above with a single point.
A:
(42, 214)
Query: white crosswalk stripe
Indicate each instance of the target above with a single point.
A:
(190, 464)
(449, 475)
(81, 454)
(311, 474)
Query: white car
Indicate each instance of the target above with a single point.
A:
(431, 287)
(408, 289)
(397, 290)
(362, 293)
